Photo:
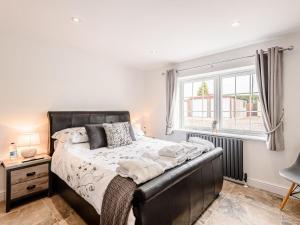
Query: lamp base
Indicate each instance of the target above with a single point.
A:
(28, 152)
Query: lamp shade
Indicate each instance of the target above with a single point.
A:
(138, 125)
(28, 139)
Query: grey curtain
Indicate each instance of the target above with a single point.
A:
(270, 83)
(171, 81)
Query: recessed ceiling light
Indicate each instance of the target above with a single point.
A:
(236, 24)
(75, 20)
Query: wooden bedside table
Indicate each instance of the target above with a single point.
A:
(26, 179)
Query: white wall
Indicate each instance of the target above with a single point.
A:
(261, 164)
(37, 76)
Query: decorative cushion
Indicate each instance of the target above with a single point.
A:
(97, 136)
(117, 134)
(74, 135)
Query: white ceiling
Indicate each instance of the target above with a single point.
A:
(129, 30)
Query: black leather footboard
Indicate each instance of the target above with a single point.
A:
(180, 196)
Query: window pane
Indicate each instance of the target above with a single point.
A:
(243, 120)
(199, 109)
(255, 103)
(257, 122)
(242, 103)
(255, 86)
(187, 105)
(188, 89)
(228, 102)
(228, 85)
(243, 84)
(239, 107)
(228, 120)
(197, 88)
(206, 122)
(211, 87)
(197, 104)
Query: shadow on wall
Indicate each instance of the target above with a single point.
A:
(9, 132)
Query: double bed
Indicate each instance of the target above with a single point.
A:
(178, 196)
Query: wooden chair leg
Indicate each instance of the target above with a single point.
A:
(286, 198)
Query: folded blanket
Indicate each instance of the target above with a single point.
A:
(188, 147)
(140, 170)
(194, 150)
(151, 155)
(172, 151)
(170, 162)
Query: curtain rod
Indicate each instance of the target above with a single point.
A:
(290, 48)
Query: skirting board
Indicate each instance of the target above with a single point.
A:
(280, 190)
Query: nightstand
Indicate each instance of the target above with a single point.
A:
(26, 178)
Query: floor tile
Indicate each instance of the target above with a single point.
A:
(236, 205)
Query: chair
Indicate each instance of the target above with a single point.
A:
(292, 174)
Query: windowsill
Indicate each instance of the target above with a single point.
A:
(242, 136)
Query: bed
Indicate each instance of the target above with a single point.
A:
(179, 196)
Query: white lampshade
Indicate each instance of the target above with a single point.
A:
(28, 139)
(138, 125)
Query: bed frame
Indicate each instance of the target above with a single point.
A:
(177, 197)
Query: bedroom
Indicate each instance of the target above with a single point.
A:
(107, 58)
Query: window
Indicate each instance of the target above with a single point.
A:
(230, 98)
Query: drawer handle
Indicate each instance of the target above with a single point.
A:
(30, 174)
(31, 187)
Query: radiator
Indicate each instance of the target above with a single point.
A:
(232, 156)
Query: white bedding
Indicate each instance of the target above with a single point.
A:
(89, 172)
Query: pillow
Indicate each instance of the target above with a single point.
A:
(97, 136)
(117, 134)
(131, 131)
(137, 131)
(202, 141)
(74, 135)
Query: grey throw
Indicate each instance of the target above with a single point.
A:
(270, 83)
(117, 201)
(171, 81)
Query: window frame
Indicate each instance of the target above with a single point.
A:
(217, 76)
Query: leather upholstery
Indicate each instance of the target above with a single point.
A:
(61, 120)
(177, 197)
(181, 194)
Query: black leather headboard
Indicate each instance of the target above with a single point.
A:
(60, 120)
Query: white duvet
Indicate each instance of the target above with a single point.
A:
(89, 172)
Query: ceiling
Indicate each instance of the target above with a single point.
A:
(149, 33)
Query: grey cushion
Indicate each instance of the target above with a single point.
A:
(117, 134)
(97, 136)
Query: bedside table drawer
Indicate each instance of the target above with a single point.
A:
(29, 173)
(32, 186)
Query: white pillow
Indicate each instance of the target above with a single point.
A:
(74, 135)
(137, 131)
(202, 141)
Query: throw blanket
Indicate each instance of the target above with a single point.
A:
(140, 170)
(117, 201)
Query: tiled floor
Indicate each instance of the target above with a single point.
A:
(236, 205)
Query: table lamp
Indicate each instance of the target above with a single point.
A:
(28, 142)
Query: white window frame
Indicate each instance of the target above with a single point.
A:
(217, 77)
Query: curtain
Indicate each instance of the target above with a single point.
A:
(270, 83)
(171, 81)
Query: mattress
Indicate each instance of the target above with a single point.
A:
(89, 172)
